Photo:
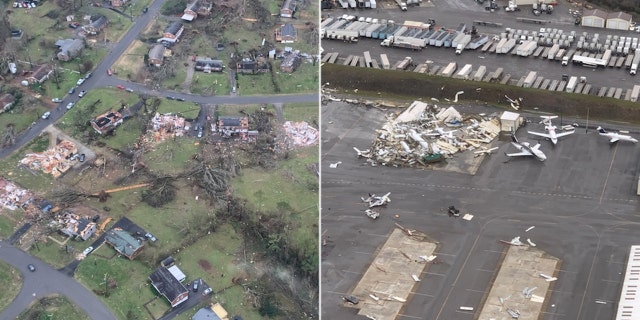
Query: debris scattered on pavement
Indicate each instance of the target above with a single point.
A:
(376, 201)
(548, 278)
(334, 165)
(372, 214)
(531, 243)
(467, 217)
(530, 228)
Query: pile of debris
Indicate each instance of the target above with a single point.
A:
(424, 134)
(54, 161)
(300, 133)
(165, 126)
(12, 196)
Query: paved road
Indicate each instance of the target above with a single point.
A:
(45, 281)
(582, 201)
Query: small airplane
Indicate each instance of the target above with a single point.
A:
(526, 149)
(376, 201)
(615, 137)
(485, 150)
(552, 135)
(363, 153)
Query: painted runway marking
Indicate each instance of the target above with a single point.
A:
(435, 274)
(612, 281)
(408, 316)
(422, 294)
(365, 253)
(485, 270)
(474, 290)
(349, 271)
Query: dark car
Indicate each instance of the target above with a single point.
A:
(31, 267)
(145, 10)
(74, 25)
(180, 99)
(195, 285)
(72, 90)
(82, 157)
(171, 98)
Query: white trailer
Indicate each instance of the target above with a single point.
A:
(449, 69)
(635, 93)
(528, 81)
(480, 73)
(402, 5)
(589, 62)
(385, 61)
(404, 64)
(367, 59)
(501, 44)
(526, 48)
(352, 4)
(345, 35)
(464, 72)
(326, 22)
(560, 54)
(373, 4)
(571, 84)
(634, 64)
(553, 51)
(507, 46)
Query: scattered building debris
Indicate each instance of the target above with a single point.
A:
(372, 214)
(514, 242)
(54, 161)
(165, 126)
(12, 196)
(530, 242)
(301, 133)
(418, 136)
(530, 228)
(548, 278)
(527, 292)
(467, 217)
(335, 165)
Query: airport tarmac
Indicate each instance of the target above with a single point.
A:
(582, 201)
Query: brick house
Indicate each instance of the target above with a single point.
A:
(156, 55)
(117, 3)
(168, 286)
(208, 65)
(288, 8)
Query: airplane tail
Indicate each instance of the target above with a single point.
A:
(514, 138)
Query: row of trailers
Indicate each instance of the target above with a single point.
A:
(363, 4)
(571, 84)
(409, 34)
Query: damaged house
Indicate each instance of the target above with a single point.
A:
(252, 66)
(6, 101)
(171, 34)
(96, 25)
(69, 48)
(208, 65)
(290, 63)
(168, 286)
(195, 8)
(288, 8)
(156, 55)
(77, 227)
(40, 74)
(107, 121)
(229, 126)
(12, 196)
(54, 161)
(124, 243)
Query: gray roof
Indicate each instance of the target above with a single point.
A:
(99, 22)
(173, 28)
(157, 52)
(167, 284)
(288, 30)
(619, 15)
(596, 13)
(230, 121)
(123, 242)
(205, 314)
(70, 47)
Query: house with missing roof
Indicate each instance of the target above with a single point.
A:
(124, 243)
(288, 8)
(96, 25)
(286, 33)
(40, 74)
(196, 8)
(208, 65)
(291, 62)
(77, 227)
(212, 312)
(168, 286)
(6, 101)
(252, 66)
(230, 126)
(107, 121)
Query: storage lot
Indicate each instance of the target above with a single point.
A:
(581, 200)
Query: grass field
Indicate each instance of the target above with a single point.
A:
(128, 65)
(54, 307)
(171, 156)
(56, 255)
(11, 281)
(26, 178)
(213, 84)
(308, 112)
(23, 115)
(186, 110)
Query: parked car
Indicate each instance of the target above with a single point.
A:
(195, 285)
(56, 100)
(87, 250)
(200, 134)
(74, 25)
(70, 105)
(129, 90)
(82, 93)
(72, 90)
(46, 115)
(82, 157)
(89, 74)
(180, 99)
(80, 81)
(109, 72)
(207, 291)
(171, 97)
(145, 10)
(150, 237)
(31, 268)
(121, 87)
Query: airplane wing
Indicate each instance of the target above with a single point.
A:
(562, 134)
(519, 154)
(536, 147)
(614, 140)
(545, 135)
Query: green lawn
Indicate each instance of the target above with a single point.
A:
(304, 79)
(308, 112)
(53, 307)
(174, 82)
(7, 225)
(23, 115)
(56, 255)
(11, 281)
(186, 110)
(213, 84)
(171, 157)
(34, 181)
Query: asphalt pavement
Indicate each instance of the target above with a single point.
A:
(582, 201)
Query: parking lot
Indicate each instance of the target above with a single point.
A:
(450, 14)
(582, 201)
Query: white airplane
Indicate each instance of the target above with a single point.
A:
(526, 149)
(551, 129)
(362, 153)
(376, 201)
(485, 150)
(615, 137)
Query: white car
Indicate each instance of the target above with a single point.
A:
(70, 105)
(56, 100)
(82, 93)
(81, 81)
(46, 115)
(87, 250)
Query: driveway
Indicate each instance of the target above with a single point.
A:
(46, 281)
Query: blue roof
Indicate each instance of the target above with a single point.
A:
(205, 314)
